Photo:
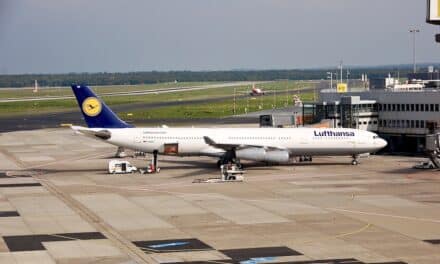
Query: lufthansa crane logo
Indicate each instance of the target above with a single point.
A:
(92, 106)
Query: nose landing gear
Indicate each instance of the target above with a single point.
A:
(355, 160)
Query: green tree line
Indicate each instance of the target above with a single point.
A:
(132, 78)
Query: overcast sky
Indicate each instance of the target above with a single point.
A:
(55, 36)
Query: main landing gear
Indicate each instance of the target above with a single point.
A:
(305, 158)
(152, 167)
(229, 158)
(120, 153)
(355, 160)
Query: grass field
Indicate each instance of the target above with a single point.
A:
(46, 106)
(65, 91)
(214, 110)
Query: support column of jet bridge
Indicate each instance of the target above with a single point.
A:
(433, 148)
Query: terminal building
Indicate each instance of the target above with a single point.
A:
(403, 114)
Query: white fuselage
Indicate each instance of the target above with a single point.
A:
(296, 141)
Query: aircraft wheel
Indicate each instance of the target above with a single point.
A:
(354, 162)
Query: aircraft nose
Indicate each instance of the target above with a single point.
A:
(382, 142)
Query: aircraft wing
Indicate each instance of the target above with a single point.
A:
(235, 146)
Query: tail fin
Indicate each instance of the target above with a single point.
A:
(96, 113)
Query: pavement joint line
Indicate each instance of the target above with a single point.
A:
(60, 236)
(354, 232)
(126, 246)
(149, 189)
(118, 240)
(332, 209)
(136, 189)
(387, 215)
(94, 155)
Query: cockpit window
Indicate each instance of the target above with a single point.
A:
(375, 137)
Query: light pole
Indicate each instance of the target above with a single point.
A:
(235, 101)
(330, 76)
(414, 32)
(340, 68)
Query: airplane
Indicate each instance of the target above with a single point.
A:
(256, 91)
(229, 145)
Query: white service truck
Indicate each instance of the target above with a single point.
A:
(120, 167)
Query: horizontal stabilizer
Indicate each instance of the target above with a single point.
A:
(102, 134)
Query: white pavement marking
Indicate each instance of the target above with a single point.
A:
(387, 215)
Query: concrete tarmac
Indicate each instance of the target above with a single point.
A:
(59, 205)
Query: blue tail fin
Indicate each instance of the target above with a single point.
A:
(96, 113)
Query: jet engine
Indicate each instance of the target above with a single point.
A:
(260, 154)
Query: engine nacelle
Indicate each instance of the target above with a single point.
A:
(260, 154)
(257, 154)
(277, 156)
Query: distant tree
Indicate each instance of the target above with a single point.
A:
(105, 78)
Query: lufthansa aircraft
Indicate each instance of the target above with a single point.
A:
(274, 145)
